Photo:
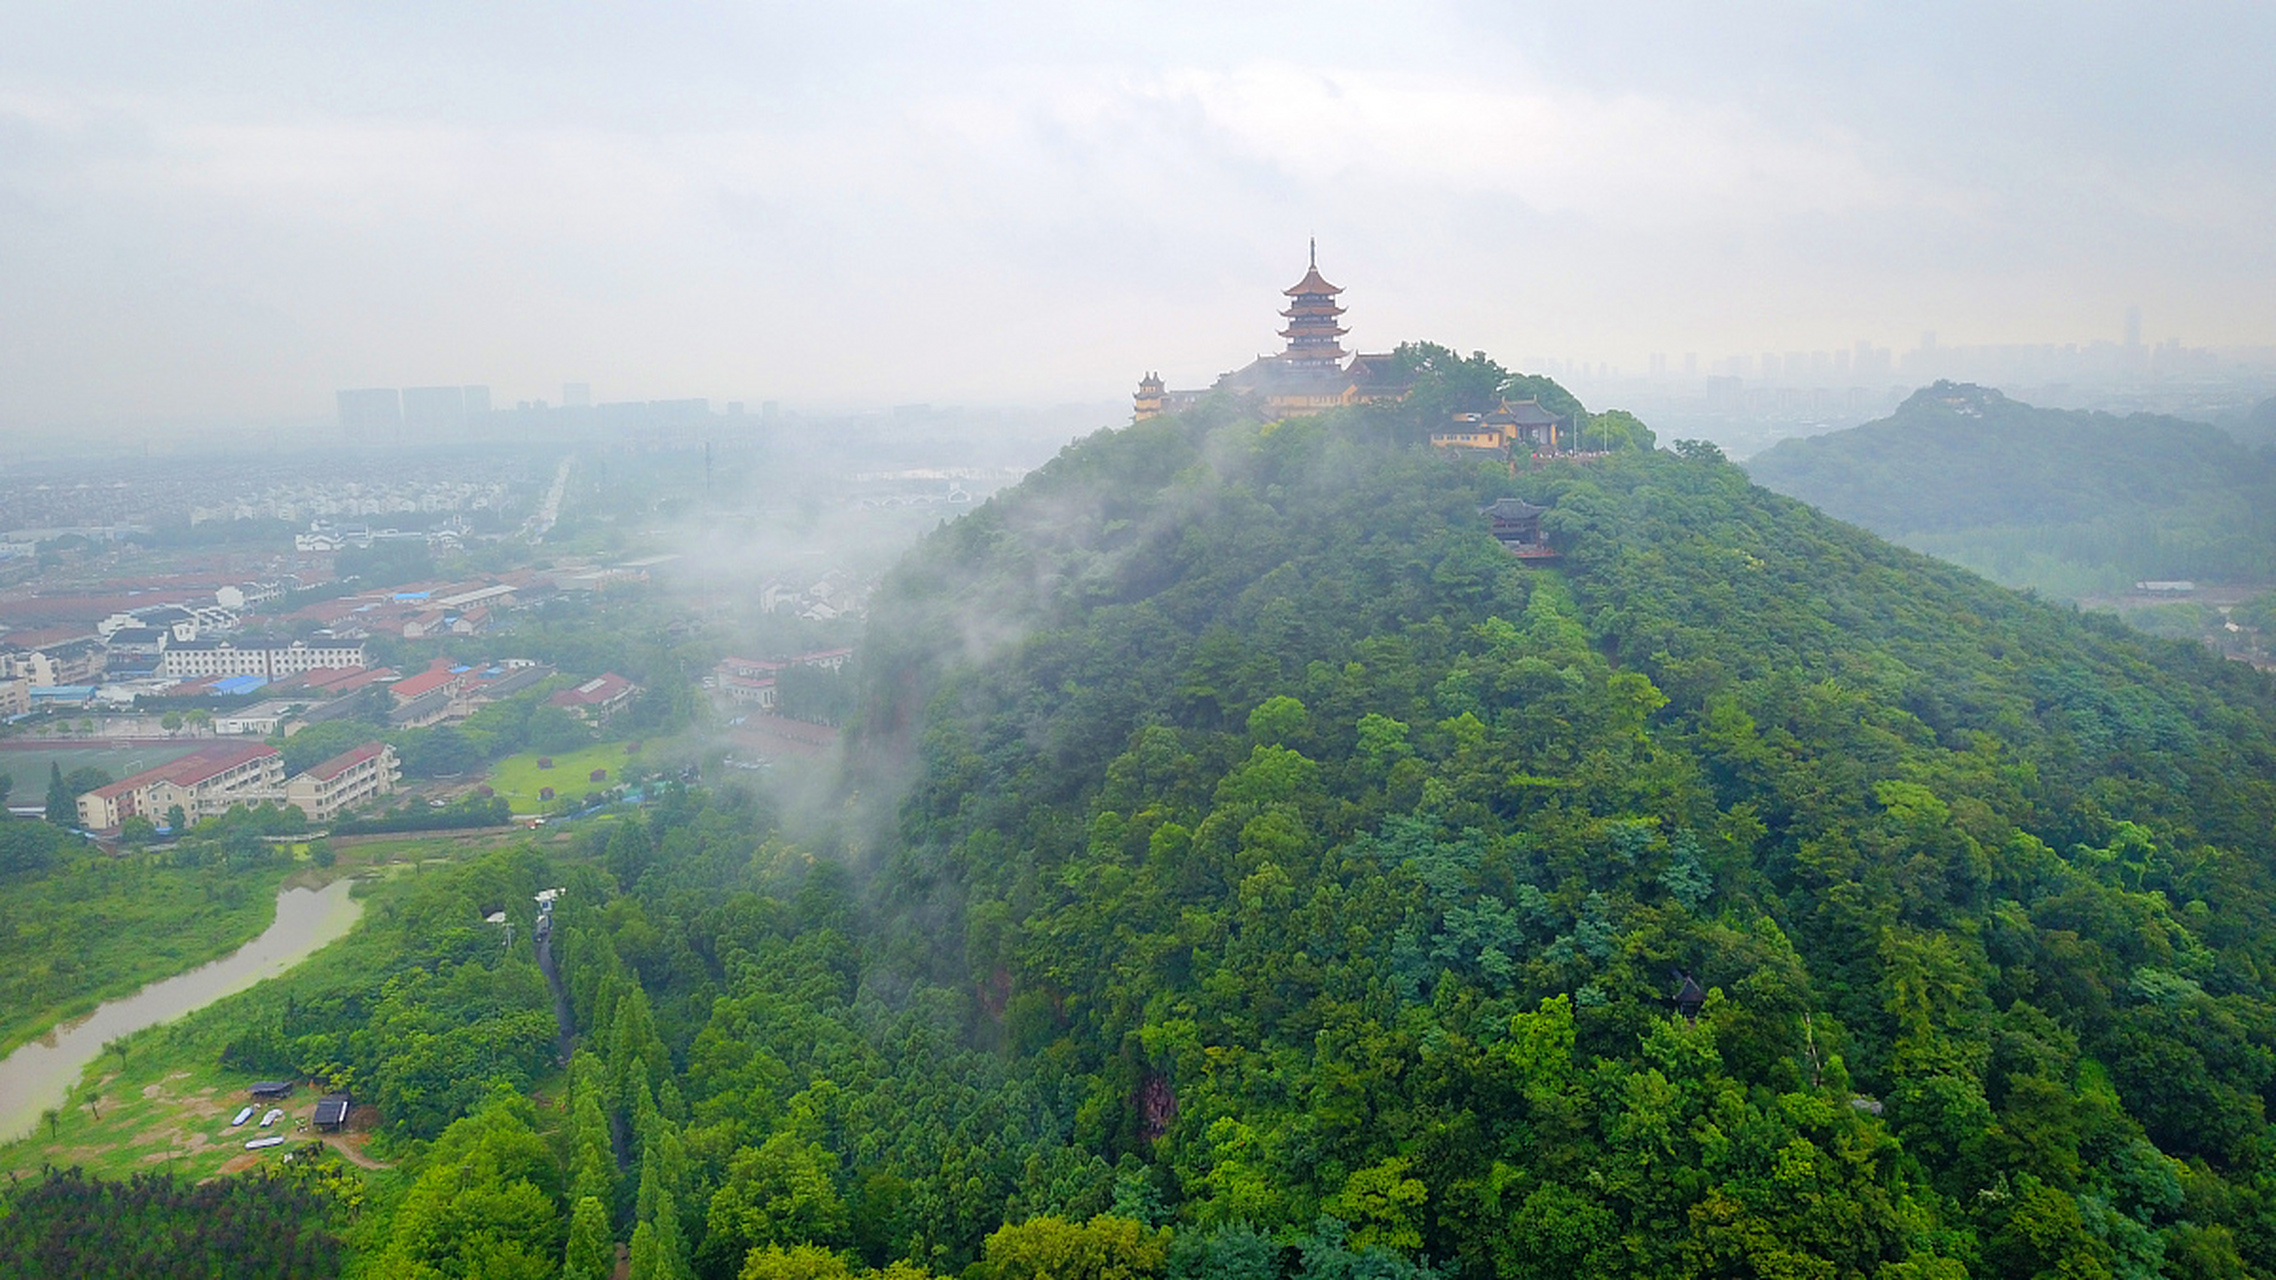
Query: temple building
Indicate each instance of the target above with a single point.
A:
(1518, 426)
(1313, 373)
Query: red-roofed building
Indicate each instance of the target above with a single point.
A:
(334, 681)
(438, 675)
(751, 681)
(344, 781)
(748, 681)
(204, 783)
(598, 698)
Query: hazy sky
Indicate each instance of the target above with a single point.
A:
(218, 209)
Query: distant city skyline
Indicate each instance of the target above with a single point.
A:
(212, 216)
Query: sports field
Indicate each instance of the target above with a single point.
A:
(27, 762)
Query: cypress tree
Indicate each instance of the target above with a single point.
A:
(591, 1255)
(62, 806)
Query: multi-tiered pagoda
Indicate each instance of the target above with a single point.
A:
(1309, 375)
(1312, 331)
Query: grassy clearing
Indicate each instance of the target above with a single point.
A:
(519, 780)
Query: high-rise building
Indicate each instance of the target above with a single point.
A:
(371, 415)
(477, 400)
(2134, 325)
(576, 395)
(434, 411)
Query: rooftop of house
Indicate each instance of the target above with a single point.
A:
(436, 676)
(606, 687)
(346, 760)
(264, 642)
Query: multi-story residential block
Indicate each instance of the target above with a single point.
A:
(344, 781)
(204, 783)
(270, 659)
(70, 663)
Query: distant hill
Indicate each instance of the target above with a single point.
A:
(2257, 426)
(2069, 502)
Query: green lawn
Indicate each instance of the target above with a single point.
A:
(518, 778)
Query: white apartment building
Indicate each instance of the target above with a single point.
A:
(272, 659)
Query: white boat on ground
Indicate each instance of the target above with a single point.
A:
(272, 1140)
(271, 1117)
(242, 1117)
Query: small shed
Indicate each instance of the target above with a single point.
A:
(272, 1088)
(332, 1111)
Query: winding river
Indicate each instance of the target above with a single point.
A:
(39, 1074)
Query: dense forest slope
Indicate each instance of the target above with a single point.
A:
(2066, 501)
(1332, 866)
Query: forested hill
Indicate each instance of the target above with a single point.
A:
(2258, 426)
(1327, 875)
(2067, 501)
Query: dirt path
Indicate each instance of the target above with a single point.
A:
(351, 1152)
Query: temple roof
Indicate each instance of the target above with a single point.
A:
(1524, 413)
(1277, 375)
(1312, 283)
(1377, 369)
(1508, 509)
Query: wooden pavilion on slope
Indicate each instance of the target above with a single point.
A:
(1689, 997)
(1516, 524)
